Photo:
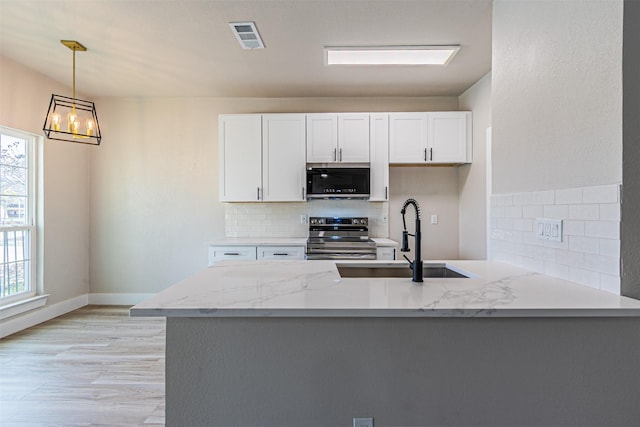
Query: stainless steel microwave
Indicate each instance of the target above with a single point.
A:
(338, 182)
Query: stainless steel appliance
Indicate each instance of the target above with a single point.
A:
(338, 182)
(340, 238)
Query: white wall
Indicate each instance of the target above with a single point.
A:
(24, 98)
(556, 94)
(154, 184)
(472, 178)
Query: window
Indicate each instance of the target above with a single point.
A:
(17, 215)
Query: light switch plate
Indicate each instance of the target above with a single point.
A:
(549, 229)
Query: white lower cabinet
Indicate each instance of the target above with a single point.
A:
(280, 252)
(386, 253)
(223, 253)
(252, 253)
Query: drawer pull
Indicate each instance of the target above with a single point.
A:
(280, 254)
(232, 253)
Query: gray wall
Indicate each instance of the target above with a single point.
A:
(403, 372)
(64, 173)
(631, 151)
(556, 94)
(472, 179)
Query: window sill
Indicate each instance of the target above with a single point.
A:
(23, 306)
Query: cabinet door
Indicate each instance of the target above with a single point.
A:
(353, 137)
(283, 157)
(379, 149)
(284, 252)
(222, 253)
(450, 137)
(322, 138)
(240, 145)
(408, 137)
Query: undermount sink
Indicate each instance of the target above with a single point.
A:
(438, 270)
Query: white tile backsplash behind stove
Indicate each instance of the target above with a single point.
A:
(283, 219)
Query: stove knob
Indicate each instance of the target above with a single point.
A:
(355, 221)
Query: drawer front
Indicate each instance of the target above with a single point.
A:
(280, 252)
(222, 253)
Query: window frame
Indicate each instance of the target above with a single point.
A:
(31, 211)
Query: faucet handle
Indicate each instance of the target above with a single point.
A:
(405, 242)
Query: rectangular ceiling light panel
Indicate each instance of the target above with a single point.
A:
(390, 55)
(247, 35)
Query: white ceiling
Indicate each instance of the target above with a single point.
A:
(186, 48)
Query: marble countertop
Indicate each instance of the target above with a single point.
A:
(315, 289)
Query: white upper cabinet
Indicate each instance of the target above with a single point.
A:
(408, 137)
(240, 146)
(334, 138)
(450, 137)
(283, 157)
(262, 157)
(379, 156)
(430, 138)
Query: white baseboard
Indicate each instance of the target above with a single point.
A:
(34, 317)
(117, 299)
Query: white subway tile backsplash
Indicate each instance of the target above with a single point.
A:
(610, 283)
(603, 229)
(602, 264)
(610, 212)
(569, 196)
(601, 194)
(584, 244)
(573, 228)
(610, 247)
(589, 252)
(533, 211)
(543, 197)
(591, 212)
(556, 211)
(584, 277)
(513, 212)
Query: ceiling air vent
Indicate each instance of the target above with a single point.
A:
(247, 35)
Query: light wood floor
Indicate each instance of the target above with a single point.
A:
(95, 366)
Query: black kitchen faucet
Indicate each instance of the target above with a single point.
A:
(416, 264)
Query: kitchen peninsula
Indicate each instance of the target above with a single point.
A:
(293, 343)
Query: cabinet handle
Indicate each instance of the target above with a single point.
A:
(232, 253)
(430, 154)
(258, 193)
(302, 193)
(335, 154)
(425, 154)
(386, 193)
(341, 154)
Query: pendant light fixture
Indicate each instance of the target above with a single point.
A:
(72, 119)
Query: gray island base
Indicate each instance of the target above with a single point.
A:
(242, 352)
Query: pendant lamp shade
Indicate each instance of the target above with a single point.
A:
(71, 119)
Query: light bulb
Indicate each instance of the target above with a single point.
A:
(55, 120)
(90, 126)
(73, 121)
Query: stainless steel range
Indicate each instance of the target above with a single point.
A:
(340, 238)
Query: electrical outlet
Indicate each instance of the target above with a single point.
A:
(549, 229)
(303, 219)
(385, 219)
(434, 219)
(363, 422)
